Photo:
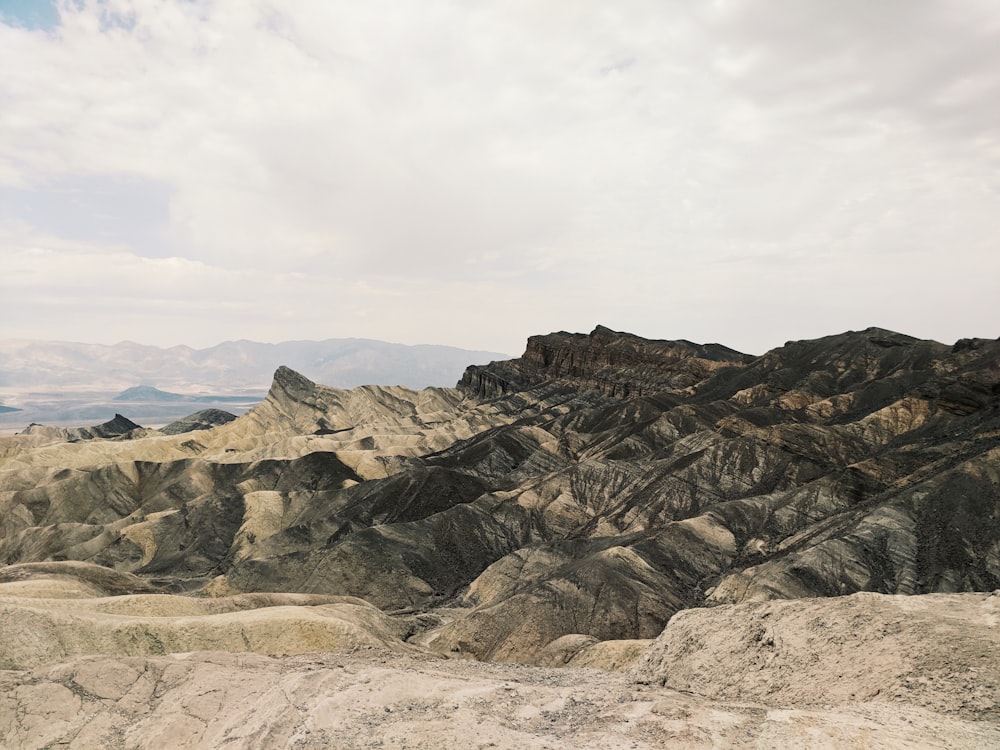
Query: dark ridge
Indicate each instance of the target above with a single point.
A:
(205, 419)
(619, 365)
(291, 383)
(116, 427)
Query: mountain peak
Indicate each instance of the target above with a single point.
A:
(292, 381)
(147, 393)
(603, 331)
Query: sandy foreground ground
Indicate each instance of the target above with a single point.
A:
(80, 669)
(371, 698)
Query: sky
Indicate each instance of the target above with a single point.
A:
(473, 172)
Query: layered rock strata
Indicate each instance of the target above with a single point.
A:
(591, 489)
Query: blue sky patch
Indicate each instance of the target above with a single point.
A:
(30, 14)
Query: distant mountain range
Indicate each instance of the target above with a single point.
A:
(232, 365)
(147, 394)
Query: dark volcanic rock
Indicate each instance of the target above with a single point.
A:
(205, 419)
(115, 427)
(619, 365)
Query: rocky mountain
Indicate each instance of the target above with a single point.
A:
(563, 507)
(205, 419)
(116, 427)
(76, 385)
(616, 364)
(145, 393)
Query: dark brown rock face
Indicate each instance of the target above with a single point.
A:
(205, 419)
(618, 365)
(595, 486)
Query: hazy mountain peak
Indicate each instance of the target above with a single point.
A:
(147, 393)
(290, 383)
(343, 363)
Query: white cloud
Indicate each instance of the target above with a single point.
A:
(472, 174)
(931, 63)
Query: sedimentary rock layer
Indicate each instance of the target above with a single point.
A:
(594, 487)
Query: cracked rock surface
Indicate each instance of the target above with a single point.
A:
(368, 699)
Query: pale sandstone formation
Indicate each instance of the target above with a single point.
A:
(865, 670)
(371, 699)
(46, 631)
(938, 651)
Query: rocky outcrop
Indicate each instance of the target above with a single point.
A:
(936, 651)
(45, 631)
(70, 580)
(823, 462)
(118, 426)
(375, 699)
(496, 380)
(618, 365)
(205, 419)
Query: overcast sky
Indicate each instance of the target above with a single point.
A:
(471, 173)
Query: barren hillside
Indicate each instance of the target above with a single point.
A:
(556, 509)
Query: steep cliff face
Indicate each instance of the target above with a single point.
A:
(618, 365)
(593, 487)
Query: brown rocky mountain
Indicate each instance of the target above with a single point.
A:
(557, 508)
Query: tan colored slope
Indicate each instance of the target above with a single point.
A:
(364, 426)
(45, 631)
(68, 579)
(586, 652)
(861, 671)
(374, 699)
(938, 651)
